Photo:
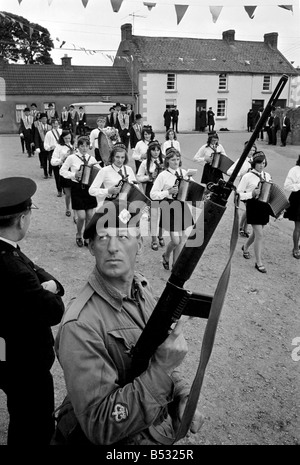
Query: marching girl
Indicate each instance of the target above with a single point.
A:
(139, 152)
(82, 202)
(108, 182)
(205, 154)
(147, 173)
(165, 186)
(171, 141)
(292, 184)
(257, 212)
(63, 149)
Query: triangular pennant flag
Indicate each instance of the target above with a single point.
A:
(19, 2)
(49, 2)
(287, 7)
(250, 10)
(180, 11)
(85, 2)
(215, 11)
(149, 5)
(63, 43)
(116, 5)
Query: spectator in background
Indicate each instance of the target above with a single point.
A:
(275, 127)
(250, 120)
(210, 120)
(268, 127)
(26, 130)
(256, 119)
(175, 117)
(136, 130)
(285, 129)
(167, 118)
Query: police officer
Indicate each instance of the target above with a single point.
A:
(30, 304)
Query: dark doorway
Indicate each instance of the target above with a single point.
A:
(257, 105)
(199, 104)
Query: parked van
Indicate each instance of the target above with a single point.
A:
(92, 111)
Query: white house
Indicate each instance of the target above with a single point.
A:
(229, 75)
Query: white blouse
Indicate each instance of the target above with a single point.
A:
(61, 152)
(164, 181)
(51, 139)
(205, 153)
(246, 166)
(73, 163)
(109, 177)
(140, 150)
(250, 181)
(168, 143)
(292, 182)
(143, 174)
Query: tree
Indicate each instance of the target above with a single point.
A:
(23, 41)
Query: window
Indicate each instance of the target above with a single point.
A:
(223, 82)
(221, 108)
(19, 111)
(171, 81)
(170, 103)
(267, 83)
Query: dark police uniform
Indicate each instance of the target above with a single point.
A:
(26, 315)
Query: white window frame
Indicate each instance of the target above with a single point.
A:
(267, 83)
(19, 111)
(223, 82)
(222, 111)
(171, 82)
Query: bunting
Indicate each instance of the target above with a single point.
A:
(180, 12)
(287, 7)
(85, 2)
(149, 5)
(215, 12)
(19, 2)
(250, 10)
(49, 2)
(116, 5)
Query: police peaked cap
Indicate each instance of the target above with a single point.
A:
(15, 195)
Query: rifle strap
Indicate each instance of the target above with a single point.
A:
(210, 331)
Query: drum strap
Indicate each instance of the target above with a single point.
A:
(210, 332)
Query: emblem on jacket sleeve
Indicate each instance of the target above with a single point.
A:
(120, 412)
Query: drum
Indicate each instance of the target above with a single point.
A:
(89, 172)
(277, 201)
(190, 191)
(105, 147)
(265, 190)
(221, 162)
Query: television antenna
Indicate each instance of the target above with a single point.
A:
(135, 16)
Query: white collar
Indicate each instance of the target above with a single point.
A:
(13, 243)
(172, 171)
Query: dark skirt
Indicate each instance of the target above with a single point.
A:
(175, 215)
(257, 212)
(292, 213)
(210, 174)
(64, 182)
(81, 199)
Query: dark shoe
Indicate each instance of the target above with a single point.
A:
(296, 254)
(154, 246)
(161, 241)
(79, 241)
(246, 254)
(165, 263)
(59, 194)
(68, 213)
(50, 175)
(261, 268)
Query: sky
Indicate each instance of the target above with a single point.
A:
(92, 34)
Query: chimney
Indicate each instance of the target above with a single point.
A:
(66, 61)
(126, 32)
(229, 35)
(271, 39)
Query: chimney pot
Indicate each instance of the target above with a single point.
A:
(229, 35)
(126, 31)
(271, 39)
(66, 61)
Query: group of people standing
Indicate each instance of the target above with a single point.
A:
(171, 117)
(278, 123)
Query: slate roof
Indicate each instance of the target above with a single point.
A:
(57, 79)
(165, 54)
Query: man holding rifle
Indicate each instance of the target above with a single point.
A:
(106, 404)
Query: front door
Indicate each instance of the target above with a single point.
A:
(200, 104)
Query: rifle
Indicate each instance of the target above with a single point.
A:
(175, 300)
